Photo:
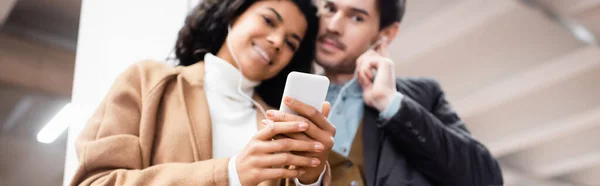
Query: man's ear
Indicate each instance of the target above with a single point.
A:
(390, 32)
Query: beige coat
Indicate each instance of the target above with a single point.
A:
(153, 128)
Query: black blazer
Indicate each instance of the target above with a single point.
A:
(425, 143)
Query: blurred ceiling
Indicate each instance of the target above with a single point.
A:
(54, 22)
(517, 72)
(522, 76)
(38, 39)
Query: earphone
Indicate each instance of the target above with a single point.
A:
(239, 87)
(379, 42)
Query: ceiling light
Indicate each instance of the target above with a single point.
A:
(65, 117)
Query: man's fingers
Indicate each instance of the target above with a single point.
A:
(365, 71)
(274, 128)
(382, 49)
(373, 63)
(363, 80)
(370, 74)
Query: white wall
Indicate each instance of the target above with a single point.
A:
(114, 34)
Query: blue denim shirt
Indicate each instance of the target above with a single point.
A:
(348, 113)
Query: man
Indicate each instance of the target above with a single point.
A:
(390, 131)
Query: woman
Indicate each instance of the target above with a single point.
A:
(190, 125)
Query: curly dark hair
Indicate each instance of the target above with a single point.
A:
(205, 31)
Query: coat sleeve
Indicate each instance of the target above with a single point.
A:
(438, 144)
(109, 148)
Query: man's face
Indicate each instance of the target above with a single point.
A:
(348, 28)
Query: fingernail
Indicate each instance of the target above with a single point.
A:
(270, 113)
(288, 99)
(266, 122)
(302, 125)
(319, 147)
(315, 162)
(302, 172)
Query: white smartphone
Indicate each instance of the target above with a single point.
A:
(307, 88)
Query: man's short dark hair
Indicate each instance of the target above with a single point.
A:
(391, 11)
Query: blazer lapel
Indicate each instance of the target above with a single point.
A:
(371, 145)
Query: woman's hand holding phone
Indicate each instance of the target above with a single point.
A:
(263, 158)
(319, 130)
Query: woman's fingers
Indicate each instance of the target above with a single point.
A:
(256, 163)
(286, 145)
(306, 113)
(326, 108)
(298, 135)
(255, 176)
(275, 128)
(282, 159)
(280, 173)
(320, 129)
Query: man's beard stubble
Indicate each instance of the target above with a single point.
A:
(344, 67)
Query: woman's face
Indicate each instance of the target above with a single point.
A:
(264, 38)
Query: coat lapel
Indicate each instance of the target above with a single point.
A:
(371, 145)
(191, 83)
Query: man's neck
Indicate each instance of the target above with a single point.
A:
(339, 78)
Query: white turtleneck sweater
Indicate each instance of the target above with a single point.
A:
(233, 116)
